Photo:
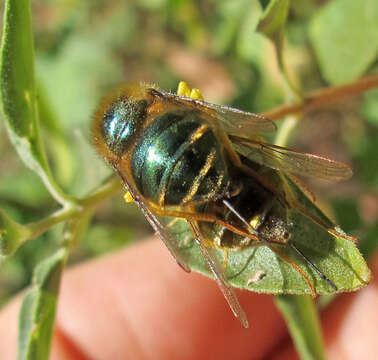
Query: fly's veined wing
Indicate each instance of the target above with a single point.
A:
(280, 158)
(240, 122)
(158, 227)
(232, 121)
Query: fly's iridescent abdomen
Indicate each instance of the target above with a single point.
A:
(178, 160)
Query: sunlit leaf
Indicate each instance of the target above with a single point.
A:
(272, 23)
(274, 17)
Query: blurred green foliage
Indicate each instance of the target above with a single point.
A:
(86, 47)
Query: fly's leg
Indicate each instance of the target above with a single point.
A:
(193, 216)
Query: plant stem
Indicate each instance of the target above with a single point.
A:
(323, 97)
(39, 227)
(286, 128)
(109, 188)
(81, 207)
(303, 322)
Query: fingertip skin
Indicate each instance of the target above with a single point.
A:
(9, 329)
(148, 307)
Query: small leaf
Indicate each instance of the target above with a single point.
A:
(273, 21)
(12, 234)
(274, 17)
(18, 93)
(272, 24)
(301, 317)
(260, 269)
(38, 309)
(344, 36)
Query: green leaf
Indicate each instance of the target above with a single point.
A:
(274, 18)
(260, 269)
(259, 52)
(272, 23)
(302, 319)
(37, 315)
(344, 35)
(18, 93)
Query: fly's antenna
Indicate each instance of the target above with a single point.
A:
(308, 261)
(266, 242)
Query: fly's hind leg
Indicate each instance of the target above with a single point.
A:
(191, 215)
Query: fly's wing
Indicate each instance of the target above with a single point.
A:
(288, 160)
(241, 126)
(231, 120)
(158, 227)
(220, 278)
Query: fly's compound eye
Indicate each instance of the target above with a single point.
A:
(121, 122)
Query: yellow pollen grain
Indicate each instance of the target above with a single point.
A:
(183, 89)
(196, 94)
(255, 222)
(128, 197)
